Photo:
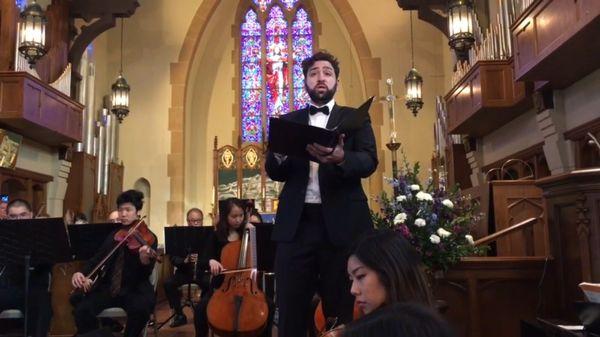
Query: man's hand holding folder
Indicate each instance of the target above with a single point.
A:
(328, 155)
(289, 138)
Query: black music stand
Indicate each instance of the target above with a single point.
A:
(265, 257)
(182, 241)
(86, 239)
(28, 242)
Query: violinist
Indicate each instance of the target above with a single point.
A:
(12, 280)
(230, 227)
(184, 273)
(125, 282)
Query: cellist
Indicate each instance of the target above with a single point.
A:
(125, 282)
(230, 227)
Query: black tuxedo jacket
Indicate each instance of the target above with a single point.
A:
(345, 207)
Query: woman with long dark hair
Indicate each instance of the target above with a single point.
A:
(384, 269)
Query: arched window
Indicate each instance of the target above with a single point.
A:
(275, 36)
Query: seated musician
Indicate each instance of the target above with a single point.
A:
(125, 282)
(184, 273)
(12, 283)
(400, 319)
(230, 227)
(384, 269)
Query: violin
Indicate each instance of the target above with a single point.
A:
(335, 332)
(125, 236)
(136, 237)
(238, 307)
(324, 326)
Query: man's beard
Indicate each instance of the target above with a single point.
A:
(321, 99)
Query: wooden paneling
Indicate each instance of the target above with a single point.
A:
(459, 170)
(36, 110)
(573, 204)
(24, 184)
(557, 41)
(54, 63)
(489, 296)
(81, 189)
(486, 98)
(587, 154)
(9, 14)
(513, 202)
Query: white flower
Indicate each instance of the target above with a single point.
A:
(400, 218)
(420, 222)
(469, 239)
(401, 198)
(424, 196)
(448, 203)
(434, 239)
(415, 187)
(443, 233)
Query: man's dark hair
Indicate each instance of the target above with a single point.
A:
(19, 202)
(321, 56)
(135, 197)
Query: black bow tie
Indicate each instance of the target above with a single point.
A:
(313, 109)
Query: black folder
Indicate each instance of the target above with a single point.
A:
(291, 138)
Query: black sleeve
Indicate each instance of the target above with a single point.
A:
(107, 245)
(148, 268)
(212, 252)
(177, 261)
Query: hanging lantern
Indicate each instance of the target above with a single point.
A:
(32, 33)
(120, 98)
(120, 90)
(460, 25)
(414, 84)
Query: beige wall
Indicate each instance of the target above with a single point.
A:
(387, 29)
(153, 39)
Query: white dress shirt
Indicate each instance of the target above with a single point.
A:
(313, 193)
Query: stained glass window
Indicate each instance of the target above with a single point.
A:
(276, 35)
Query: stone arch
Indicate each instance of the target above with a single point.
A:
(180, 73)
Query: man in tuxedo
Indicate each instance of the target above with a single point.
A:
(322, 207)
(184, 273)
(12, 280)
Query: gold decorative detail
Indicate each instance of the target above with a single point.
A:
(251, 157)
(227, 158)
(9, 148)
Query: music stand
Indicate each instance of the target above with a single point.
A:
(182, 241)
(86, 239)
(28, 242)
(265, 255)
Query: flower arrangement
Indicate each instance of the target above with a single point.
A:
(435, 221)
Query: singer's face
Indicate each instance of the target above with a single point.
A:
(321, 82)
(127, 213)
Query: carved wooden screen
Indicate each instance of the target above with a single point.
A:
(252, 178)
(240, 172)
(226, 173)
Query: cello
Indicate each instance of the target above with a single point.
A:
(239, 307)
